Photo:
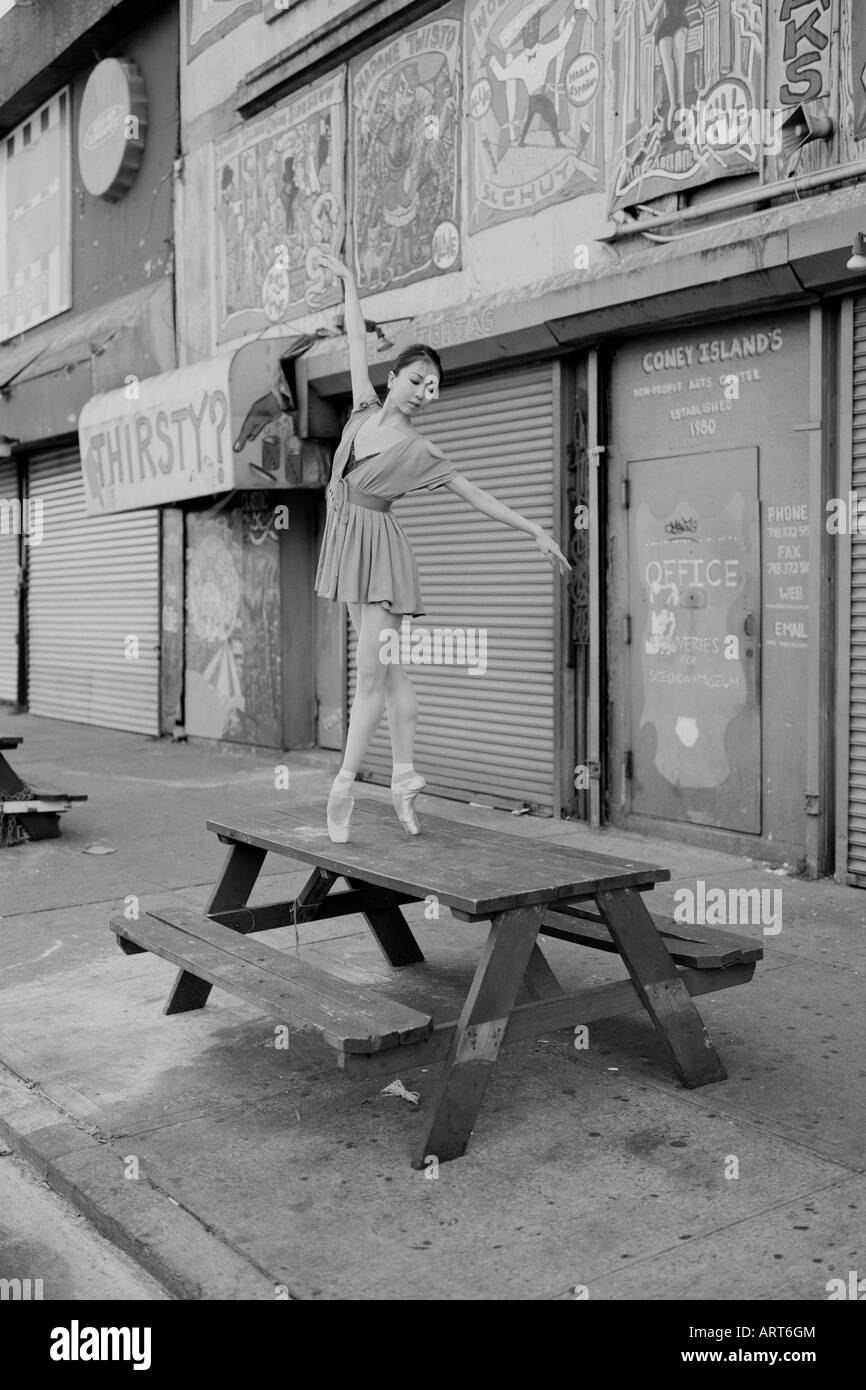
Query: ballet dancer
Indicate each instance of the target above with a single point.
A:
(366, 560)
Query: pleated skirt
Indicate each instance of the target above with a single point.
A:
(368, 560)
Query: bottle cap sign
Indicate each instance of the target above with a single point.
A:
(111, 128)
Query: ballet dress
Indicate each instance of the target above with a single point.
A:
(673, 18)
(366, 556)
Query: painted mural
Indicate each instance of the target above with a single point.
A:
(798, 51)
(280, 200)
(535, 119)
(406, 103)
(233, 654)
(208, 20)
(687, 76)
(852, 44)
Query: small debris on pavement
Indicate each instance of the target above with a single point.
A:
(98, 849)
(396, 1088)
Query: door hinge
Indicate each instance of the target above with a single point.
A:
(627, 765)
(625, 493)
(813, 804)
(626, 629)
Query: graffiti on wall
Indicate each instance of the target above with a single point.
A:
(280, 199)
(208, 20)
(233, 656)
(535, 124)
(683, 71)
(406, 103)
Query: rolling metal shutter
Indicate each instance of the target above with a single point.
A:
(8, 582)
(94, 584)
(857, 717)
(488, 736)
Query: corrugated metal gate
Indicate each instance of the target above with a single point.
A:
(93, 586)
(9, 541)
(487, 735)
(857, 718)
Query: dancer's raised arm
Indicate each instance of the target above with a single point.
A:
(362, 387)
(498, 511)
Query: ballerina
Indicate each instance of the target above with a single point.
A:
(366, 560)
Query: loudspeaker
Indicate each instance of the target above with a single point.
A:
(798, 129)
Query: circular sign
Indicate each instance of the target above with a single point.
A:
(582, 79)
(725, 115)
(446, 245)
(479, 99)
(111, 127)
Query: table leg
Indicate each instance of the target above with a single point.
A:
(479, 1033)
(388, 925)
(660, 987)
(236, 882)
(539, 980)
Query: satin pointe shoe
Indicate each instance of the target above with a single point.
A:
(403, 794)
(339, 829)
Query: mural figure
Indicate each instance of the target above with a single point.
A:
(687, 77)
(281, 200)
(407, 153)
(535, 128)
(671, 32)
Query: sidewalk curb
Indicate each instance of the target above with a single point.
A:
(163, 1238)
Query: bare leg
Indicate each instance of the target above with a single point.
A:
(402, 705)
(368, 706)
(680, 43)
(665, 47)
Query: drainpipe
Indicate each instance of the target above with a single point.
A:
(737, 200)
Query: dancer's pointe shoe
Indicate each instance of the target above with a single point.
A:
(403, 794)
(339, 829)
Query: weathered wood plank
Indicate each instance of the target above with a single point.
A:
(479, 1034)
(550, 1016)
(539, 981)
(567, 924)
(666, 998)
(302, 996)
(476, 870)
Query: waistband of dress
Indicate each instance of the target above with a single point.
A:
(364, 499)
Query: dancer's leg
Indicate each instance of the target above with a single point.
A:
(367, 709)
(681, 38)
(402, 705)
(368, 705)
(665, 47)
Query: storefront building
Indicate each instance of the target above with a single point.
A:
(648, 344)
(86, 304)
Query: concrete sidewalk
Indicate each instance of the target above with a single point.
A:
(232, 1169)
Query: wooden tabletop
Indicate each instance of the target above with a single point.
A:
(467, 867)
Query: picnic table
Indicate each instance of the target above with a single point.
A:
(522, 887)
(24, 812)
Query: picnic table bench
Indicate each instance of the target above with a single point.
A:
(37, 812)
(524, 888)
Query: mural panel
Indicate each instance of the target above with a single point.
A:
(687, 79)
(280, 199)
(233, 653)
(535, 126)
(406, 103)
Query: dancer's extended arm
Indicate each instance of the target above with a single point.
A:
(362, 387)
(491, 506)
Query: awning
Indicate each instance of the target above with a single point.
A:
(203, 429)
(48, 373)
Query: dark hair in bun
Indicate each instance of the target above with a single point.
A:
(415, 351)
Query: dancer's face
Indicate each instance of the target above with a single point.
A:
(413, 385)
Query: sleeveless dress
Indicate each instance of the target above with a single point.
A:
(366, 556)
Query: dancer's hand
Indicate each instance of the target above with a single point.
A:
(551, 551)
(336, 266)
